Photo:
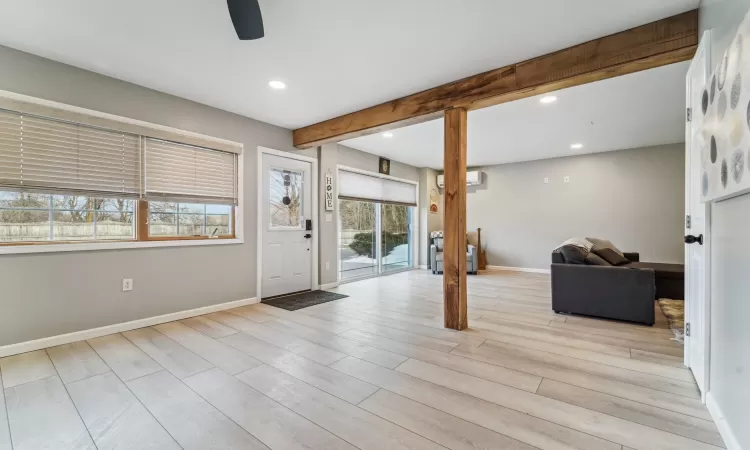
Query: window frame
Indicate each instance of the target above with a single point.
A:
(55, 110)
(140, 235)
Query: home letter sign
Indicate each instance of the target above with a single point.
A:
(329, 192)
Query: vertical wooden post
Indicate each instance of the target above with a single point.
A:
(454, 228)
(141, 228)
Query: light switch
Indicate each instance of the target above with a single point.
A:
(546, 180)
(329, 217)
(566, 179)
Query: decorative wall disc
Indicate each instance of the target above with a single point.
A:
(738, 165)
(713, 89)
(722, 107)
(736, 91)
(714, 150)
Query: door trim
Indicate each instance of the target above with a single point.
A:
(415, 222)
(259, 213)
(705, 47)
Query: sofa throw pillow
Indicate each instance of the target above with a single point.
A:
(603, 243)
(573, 254)
(611, 256)
(592, 259)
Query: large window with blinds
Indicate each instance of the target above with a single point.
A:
(66, 181)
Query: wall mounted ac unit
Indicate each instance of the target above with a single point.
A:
(473, 178)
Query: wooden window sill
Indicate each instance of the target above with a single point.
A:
(185, 238)
(59, 247)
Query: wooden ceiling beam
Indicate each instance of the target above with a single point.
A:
(656, 44)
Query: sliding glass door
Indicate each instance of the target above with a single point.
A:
(395, 239)
(357, 239)
(374, 238)
(375, 216)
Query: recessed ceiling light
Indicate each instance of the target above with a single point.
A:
(278, 85)
(387, 134)
(576, 146)
(548, 99)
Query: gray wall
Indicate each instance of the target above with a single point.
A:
(635, 198)
(428, 222)
(50, 294)
(730, 260)
(330, 157)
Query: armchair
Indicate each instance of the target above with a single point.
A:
(436, 255)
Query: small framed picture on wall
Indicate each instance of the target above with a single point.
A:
(385, 166)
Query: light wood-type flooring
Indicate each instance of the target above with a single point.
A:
(373, 371)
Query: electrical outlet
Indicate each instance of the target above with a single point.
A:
(328, 265)
(566, 179)
(127, 284)
(546, 180)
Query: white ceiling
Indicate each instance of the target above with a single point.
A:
(637, 110)
(337, 56)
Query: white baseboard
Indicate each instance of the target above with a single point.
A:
(518, 269)
(329, 285)
(730, 440)
(38, 344)
(423, 267)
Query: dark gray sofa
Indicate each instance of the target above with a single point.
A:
(612, 292)
(590, 276)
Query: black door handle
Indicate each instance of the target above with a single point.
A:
(308, 236)
(690, 239)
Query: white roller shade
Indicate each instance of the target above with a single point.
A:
(52, 156)
(359, 186)
(185, 173)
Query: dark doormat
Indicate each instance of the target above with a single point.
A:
(303, 300)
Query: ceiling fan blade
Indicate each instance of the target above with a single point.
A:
(246, 18)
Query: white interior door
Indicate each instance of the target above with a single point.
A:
(697, 223)
(287, 243)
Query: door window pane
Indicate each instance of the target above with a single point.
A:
(285, 198)
(395, 240)
(357, 239)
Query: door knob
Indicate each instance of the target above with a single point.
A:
(308, 236)
(690, 239)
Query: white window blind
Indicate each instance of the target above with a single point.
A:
(185, 173)
(359, 186)
(52, 156)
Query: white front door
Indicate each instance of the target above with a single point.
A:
(697, 221)
(287, 242)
